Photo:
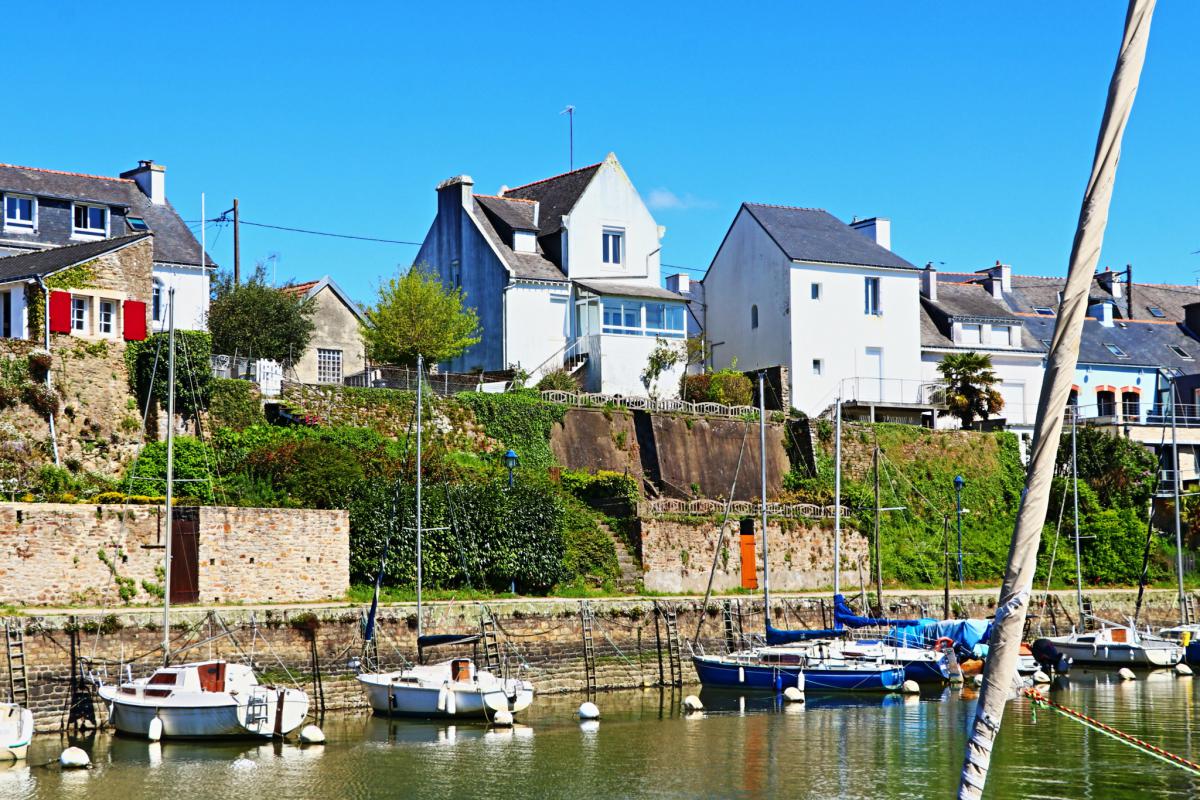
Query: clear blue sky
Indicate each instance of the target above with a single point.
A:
(972, 127)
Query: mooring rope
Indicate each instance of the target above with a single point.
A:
(1040, 699)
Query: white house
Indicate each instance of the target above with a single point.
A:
(563, 272)
(798, 288)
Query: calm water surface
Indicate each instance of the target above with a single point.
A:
(741, 748)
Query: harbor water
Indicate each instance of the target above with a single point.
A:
(740, 747)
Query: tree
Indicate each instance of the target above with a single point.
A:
(256, 320)
(970, 383)
(416, 315)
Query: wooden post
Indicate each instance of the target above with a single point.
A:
(237, 245)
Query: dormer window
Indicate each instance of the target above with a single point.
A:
(20, 213)
(614, 240)
(524, 242)
(1044, 311)
(90, 221)
(1155, 312)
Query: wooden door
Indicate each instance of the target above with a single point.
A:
(749, 565)
(185, 558)
(212, 677)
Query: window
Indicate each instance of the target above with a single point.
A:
(642, 318)
(1116, 351)
(20, 213)
(871, 288)
(613, 239)
(137, 224)
(79, 314)
(1131, 406)
(753, 316)
(107, 319)
(817, 366)
(6, 315)
(1179, 351)
(329, 366)
(1044, 311)
(816, 291)
(1106, 404)
(1155, 311)
(91, 220)
(1001, 336)
(971, 334)
(1073, 400)
(156, 295)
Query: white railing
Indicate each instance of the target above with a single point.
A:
(705, 508)
(444, 383)
(893, 390)
(652, 404)
(266, 373)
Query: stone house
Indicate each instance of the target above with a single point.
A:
(336, 348)
(45, 208)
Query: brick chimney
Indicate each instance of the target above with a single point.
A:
(151, 178)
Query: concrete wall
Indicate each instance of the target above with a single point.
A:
(611, 200)
(49, 554)
(536, 320)
(593, 440)
(336, 327)
(616, 363)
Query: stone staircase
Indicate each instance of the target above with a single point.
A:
(631, 568)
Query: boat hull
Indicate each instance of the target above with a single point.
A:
(1118, 654)
(224, 717)
(16, 731)
(720, 674)
(389, 698)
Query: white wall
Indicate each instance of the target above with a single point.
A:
(535, 323)
(20, 317)
(191, 296)
(837, 330)
(610, 200)
(622, 360)
(1020, 377)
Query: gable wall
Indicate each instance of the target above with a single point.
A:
(611, 200)
(335, 327)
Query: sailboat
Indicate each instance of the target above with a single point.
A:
(455, 688)
(204, 699)
(810, 660)
(16, 731)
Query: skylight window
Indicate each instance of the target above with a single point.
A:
(1044, 311)
(137, 224)
(1179, 351)
(1155, 311)
(1116, 351)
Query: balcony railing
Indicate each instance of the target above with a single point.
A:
(739, 508)
(652, 404)
(902, 391)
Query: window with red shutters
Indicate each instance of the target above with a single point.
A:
(134, 313)
(60, 312)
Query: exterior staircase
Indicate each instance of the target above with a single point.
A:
(630, 565)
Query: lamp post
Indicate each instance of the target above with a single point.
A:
(511, 461)
(958, 487)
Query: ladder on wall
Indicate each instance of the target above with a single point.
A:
(18, 676)
(491, 644)
(589, 647)
(673, 649)
(734, 634)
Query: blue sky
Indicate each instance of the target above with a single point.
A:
(971, 127)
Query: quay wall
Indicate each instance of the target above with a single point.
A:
(541, 640)
(70, 554)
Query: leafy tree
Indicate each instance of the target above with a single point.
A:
(147, 363)
(257, 320)
(970, 383)
(416, 315)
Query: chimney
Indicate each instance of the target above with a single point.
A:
(1102, 311)
(929, 282)
(1191, 317)
(877, 229)
(457, 189)
(1108, 281)
(151, 178)
(679, 283)
(998, 279)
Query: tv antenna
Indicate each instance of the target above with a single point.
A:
(570, 112)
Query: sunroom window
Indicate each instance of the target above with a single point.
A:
(642, 318)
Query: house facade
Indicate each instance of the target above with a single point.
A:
(563, 273)
(336, 348)
(796, 287)
(43, 208)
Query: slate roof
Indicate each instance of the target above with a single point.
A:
(931, 333)
(815, 235)
(173, 241)
(1031, 291)
(40, 263)
(1146, 343)
(557, 195)
(529, 266)
(614, 289)
(513, 212)
(970, 301)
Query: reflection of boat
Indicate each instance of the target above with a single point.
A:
(451, 689)
(205, 699)
(16, 730)
(1118, 646)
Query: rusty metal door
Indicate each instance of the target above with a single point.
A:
(185, 557)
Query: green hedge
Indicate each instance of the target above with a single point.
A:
(519, 420)
(612, 493)
(234, 404)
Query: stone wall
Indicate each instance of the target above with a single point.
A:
(678, 554)
(595, 439)
(62, 554)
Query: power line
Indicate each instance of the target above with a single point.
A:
(697, 270)
(225, 218)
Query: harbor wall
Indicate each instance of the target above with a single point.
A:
(70, 554)
(540, 640)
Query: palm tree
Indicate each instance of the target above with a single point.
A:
(970, 383)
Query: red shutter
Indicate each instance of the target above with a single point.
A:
(134, 312)
(60, 312)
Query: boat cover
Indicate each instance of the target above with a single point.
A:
(843, 615)
(436, 639)
(780, 636)
(966, 633)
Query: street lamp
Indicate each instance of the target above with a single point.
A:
(511, 461)
(958, 487)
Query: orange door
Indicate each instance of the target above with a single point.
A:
(749, 571)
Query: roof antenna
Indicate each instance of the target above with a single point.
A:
(570, 112)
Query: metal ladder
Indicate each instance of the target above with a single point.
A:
(491, 644)
(589, 647)
(734, 634)
(18, 676)
(257, 708)
(673, 649)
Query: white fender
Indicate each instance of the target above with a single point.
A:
(441, 705)
(451, 702)
(741, 674)
(154, 733)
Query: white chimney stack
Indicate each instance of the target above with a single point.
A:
(929, 282)
(877, 229)
(151, 178)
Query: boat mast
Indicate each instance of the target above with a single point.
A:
(1075, 489)
(837, 498)
(170, 516)
(878, 512)
(420, 381)
(1183, 613)
(762, 457)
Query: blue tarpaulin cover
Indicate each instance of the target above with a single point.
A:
(779, 636)
(966, 633)
(843, 615)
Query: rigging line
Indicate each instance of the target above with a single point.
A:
(721, 540)
(325, 233)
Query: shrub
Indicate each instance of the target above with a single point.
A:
(588, 550)
(234, 404)
(194, 462)
(147, 364)
(315, 473)
(612, 493)
(558, 380)
(520, 420)
(40, 397)
(726, 386)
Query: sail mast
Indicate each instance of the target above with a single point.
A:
(1075, 490)
(169, 516)
(420, 382)
(762, 457)
(837, 499)
(1000, 670)
(1183, 610)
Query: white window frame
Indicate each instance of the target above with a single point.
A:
(606, 236)
(975, 328)
(642, 329)
(324, 359)
(15, 225)
(90, 233)
(81, 323)
(156, 301)
(872, 296)
(1007, 333)
(111, 323)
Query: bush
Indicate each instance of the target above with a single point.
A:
(316, 474)
(588, 550)
(40, 397)
(558, 380)
(612, 493)
(234, 404)
(194, 463)
(726, 386)
(147, 364)
(520, 420)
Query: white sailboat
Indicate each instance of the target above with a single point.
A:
(16, 731)
(201, 699)
(455, 688)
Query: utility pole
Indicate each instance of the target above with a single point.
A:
(878, 561)
(237, 245)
